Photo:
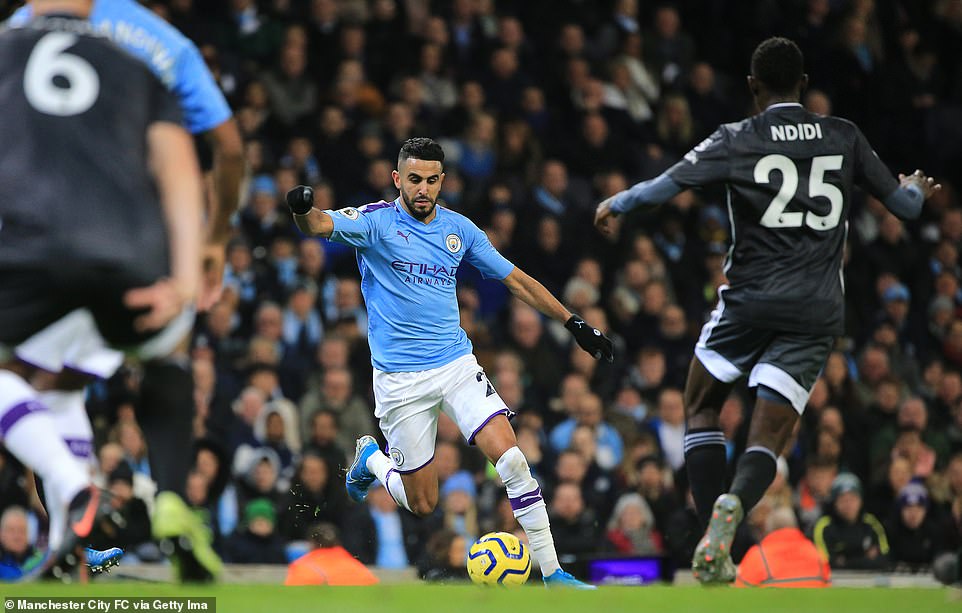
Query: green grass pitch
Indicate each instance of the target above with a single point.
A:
(530, 599)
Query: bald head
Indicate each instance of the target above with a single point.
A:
(781, 517)
(13, 531)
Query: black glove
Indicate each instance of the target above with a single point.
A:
(301, 199)
(590, 339)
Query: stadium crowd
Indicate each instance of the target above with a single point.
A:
(544, 107)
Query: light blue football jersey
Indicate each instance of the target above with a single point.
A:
(168, 53)
(408, 273)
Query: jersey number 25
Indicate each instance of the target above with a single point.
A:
(775, 215)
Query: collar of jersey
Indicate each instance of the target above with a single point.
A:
(779, 105)
(408, 218)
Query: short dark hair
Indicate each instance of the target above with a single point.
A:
(324, 535)
(421, 148)
(334, 415)
(778, 63)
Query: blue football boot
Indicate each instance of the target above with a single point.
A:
(560, 578)
(359, 478)
(102, 561)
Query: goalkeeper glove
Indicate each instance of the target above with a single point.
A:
(590, 339)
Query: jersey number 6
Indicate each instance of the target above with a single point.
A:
(78, 85)
(775, 215)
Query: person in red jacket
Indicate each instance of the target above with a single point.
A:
(328, 563)
(784, 558)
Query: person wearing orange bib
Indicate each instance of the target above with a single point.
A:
(784, 558)
(328, 563)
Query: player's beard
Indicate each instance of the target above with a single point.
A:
(420, 213)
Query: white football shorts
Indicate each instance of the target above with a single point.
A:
(407, 405)
(75, 342)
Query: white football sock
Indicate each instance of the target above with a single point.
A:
(383, 469)
(528, 506)
(70, 412)
(30, 433)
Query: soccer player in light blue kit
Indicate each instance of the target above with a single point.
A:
(408, 252)
(167, 409)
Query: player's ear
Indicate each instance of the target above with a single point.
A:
(803, 84)
(752, 85)
(397, 178)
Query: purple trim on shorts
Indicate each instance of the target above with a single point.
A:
(505, 411)
(413, 470)
(525, 500)
(32, 364)
(18, 412)
(63, 367)
(387, 481)
(80, 447)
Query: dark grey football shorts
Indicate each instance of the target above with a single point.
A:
(787, 362)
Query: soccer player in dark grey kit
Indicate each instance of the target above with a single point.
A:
(165, 407)
(789, 175)
(100, 228)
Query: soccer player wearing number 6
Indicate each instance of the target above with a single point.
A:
(789, 176)
(408, 252)
(165, 406)
(100, 240)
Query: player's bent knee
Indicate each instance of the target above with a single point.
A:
(516, 464)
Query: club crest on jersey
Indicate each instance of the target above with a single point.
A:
(453, 243)
(350, 212)
(397, 456)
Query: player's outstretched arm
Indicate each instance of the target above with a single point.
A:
(654, 191)
(913, 190)
(904, 200)
(533, 293)
(309, 220)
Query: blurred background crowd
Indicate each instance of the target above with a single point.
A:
(544, 107)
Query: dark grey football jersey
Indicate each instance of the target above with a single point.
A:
(789, 175)
(74, 181)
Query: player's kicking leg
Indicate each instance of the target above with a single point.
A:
(497, 440)
(416, 490)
